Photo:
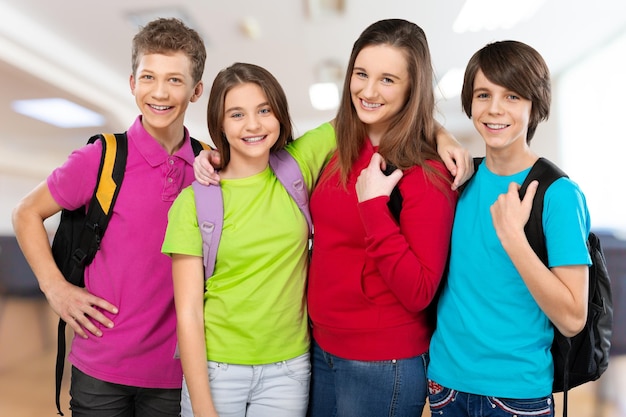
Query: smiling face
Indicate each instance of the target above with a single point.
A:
(249, 125)
(379, 87)
(500, 115)
(163, 87)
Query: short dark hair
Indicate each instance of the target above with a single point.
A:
(517, 67)
(163, 36)
(242, 73)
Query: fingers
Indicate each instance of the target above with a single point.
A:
(377, 161)
(84, 312)
(450, 164)
(203, 169)
(464, 169)
(215, 158)
(395, 176)
(529, 197)
(372, 182)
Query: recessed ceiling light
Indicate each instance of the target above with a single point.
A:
(58, 112)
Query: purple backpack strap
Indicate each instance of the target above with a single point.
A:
(210, 210)
(288, 173)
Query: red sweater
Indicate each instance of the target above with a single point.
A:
(370, 280)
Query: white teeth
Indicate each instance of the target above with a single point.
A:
(370, 105)
(255, 139)
(495, 126)
(160, 107)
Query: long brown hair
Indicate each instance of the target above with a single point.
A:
(410, 139)
(242, 73)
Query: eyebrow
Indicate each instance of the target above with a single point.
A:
(239, 108)
(385, 74)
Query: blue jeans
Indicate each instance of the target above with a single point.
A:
(91, 397)
(349, 388)
(278, 389)
(447, 402)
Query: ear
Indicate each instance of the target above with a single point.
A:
(131, 81)
(197, 92)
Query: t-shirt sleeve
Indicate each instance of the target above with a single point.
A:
(183, 235)
(566, 224)
(312, 151)
(73, 183)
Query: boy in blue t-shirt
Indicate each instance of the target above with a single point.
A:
(495, 318)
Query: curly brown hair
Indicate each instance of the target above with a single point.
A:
(163, 36)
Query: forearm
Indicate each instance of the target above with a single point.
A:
(560, 292)
(188, 278)
(410, 259)
(33, 239)
(193, 359)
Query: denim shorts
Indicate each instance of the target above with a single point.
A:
(447, 402)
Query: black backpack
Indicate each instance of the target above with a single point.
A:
(80, 232)
(584, 357)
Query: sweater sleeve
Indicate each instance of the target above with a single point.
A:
(411, 257)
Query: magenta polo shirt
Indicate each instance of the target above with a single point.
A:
(129, 270)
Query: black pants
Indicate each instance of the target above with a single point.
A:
(92, 397)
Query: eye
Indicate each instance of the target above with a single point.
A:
(514, 97)
(387, 80)
(482, 95)
(146, 77)
(265, 110)
(176, 80)
(360, 74)
(236, 115)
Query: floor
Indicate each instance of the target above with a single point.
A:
(27, 359)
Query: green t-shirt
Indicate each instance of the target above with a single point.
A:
(254, 304)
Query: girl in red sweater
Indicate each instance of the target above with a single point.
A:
(372, 277)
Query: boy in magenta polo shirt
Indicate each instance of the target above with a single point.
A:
(124, 318)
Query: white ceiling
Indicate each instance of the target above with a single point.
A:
(80, 50)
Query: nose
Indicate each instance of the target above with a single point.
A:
(369, 89)
(160, 90)
(253, 122)
(495, 106)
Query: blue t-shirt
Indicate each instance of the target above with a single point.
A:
(492, 338)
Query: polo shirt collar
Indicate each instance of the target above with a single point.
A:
(151, 150)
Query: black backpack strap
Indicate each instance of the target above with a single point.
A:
(546, 173)
(110, 176)
(198, 146)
